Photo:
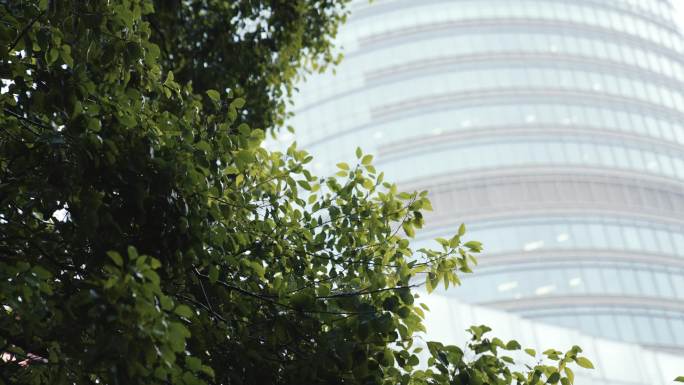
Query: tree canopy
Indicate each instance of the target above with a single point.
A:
(146, 236)
(254, 48)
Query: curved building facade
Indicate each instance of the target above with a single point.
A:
(553, 128)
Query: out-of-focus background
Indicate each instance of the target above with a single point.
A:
(555, 130)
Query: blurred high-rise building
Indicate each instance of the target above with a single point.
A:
(553, 128)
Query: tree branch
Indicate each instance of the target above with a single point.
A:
(23, 31)
(365, 291)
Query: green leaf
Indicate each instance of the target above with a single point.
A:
(359, 153)
(115, 257)
(554, 378)
(66, 55)
(474, 246)
(177, 334)
(214, 95)
(165, 302)
(584, 362)
(132, 253)
(443, 242)
(208, 370)
(367, 159)
(237, 103)
(213, 274)
(408, 229)
(193, 363)
(570, 375)
(183, 311)
(304, 184)
(513, 345)
(244, 158)
(404, 196)
(155, 263)
(531, 352)
(461, 230)
(41, 272)
(52, 56)
(679, 379)
(343, 166)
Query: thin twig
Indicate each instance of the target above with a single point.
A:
(23, 31)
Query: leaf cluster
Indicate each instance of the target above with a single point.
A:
(255, 48)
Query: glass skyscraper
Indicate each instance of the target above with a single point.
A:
(553, 128)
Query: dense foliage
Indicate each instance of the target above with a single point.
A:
(251, 47)
(147, 238)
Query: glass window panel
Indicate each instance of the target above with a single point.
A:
(608, 326)
(593, 279)
(589, 324)
(647, 283)
(649, 240)
(621, 157)
(678, 284)
(677, 326)
(631, 237)
(645, 328)
(614, 235)
(626, 327)
(599, 236)
(661, 328)
(678, 239)
(664, 241)
(662, 280)
(630, 282)
(611, 281)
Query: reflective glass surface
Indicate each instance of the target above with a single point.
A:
(448, 157)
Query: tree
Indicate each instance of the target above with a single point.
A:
(146, 237)
(252, 47)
